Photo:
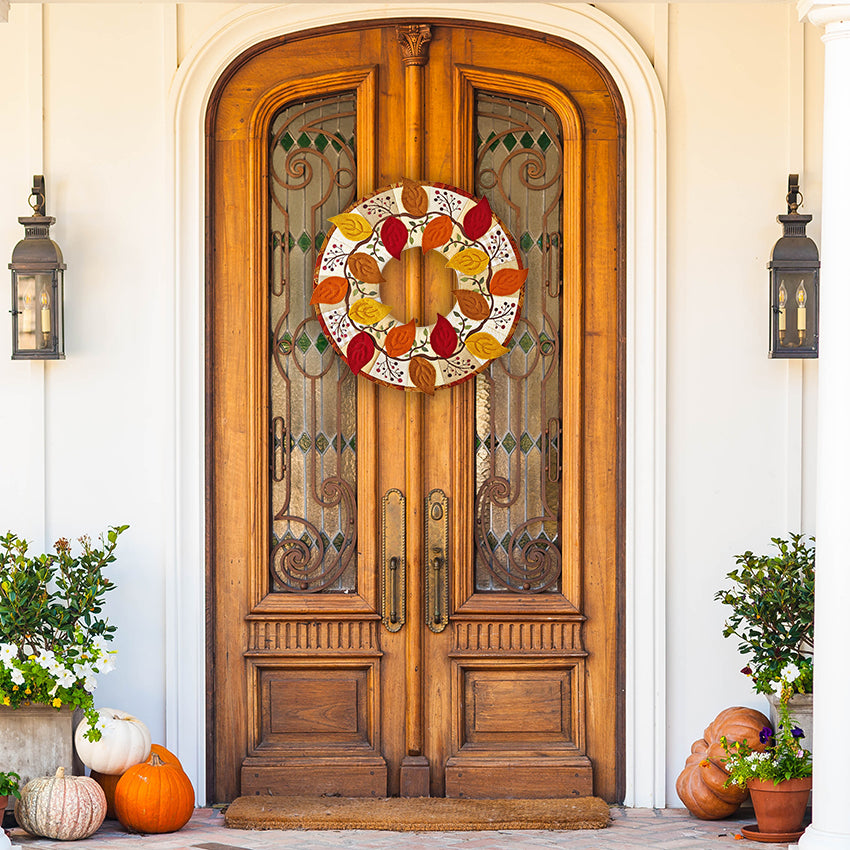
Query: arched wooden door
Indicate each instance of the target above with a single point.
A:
(413, 594)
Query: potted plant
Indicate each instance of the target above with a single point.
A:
(779, 778)
(773, 608)
(9, 786)
(54, 641)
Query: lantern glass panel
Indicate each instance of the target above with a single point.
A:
(36, 317)
(794, 312)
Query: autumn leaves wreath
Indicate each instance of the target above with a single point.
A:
(488, 297)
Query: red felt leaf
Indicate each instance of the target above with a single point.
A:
(394, 236)
(361, 349)
(443, 338)
(478, 220)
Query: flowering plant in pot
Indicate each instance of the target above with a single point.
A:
(779, 778)
(53, 639)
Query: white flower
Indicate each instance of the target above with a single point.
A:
(100, 725)
(99, 643)
(8, 651)
(90, 683)
(777, 688)
(790, 672)
(106, 664)
(17, 676)
(65, 677)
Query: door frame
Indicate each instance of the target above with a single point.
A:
(645, 344)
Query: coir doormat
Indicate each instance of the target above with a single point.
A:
(420, 814)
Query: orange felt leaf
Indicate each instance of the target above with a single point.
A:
(437, 232)
(400, 339)
(472, 304)
(508, 281)
(423, 375)
(365, 268)
(413, 197)
(330, 291)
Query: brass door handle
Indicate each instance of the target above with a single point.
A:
(437, 566)
(393, 567)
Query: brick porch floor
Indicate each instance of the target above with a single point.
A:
(631, 829)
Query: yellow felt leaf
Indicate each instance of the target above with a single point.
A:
(484, 346)
(469, 261)
(368, 311)
(353, 226)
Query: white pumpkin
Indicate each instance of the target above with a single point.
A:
(63, 807)
(125, 741)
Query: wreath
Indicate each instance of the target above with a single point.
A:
(377, 229)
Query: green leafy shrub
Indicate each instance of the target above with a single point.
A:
(773, 612)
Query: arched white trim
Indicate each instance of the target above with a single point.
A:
(645, 224)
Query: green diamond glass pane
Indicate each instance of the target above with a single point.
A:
(526, 140)
(303, 342)
(320, 240)
(505, 542)
(526, 342)
(287, 141)
(509, 443)
(491, 540)
(526, 443)
(526, 242)
(304, 140)
(304, 242)
(338, 541)
(523, 540)
(322, 443)
(292, 242)
(305, 442)
(321, 142)
(544, 141)
(509, 141)
(322, 343)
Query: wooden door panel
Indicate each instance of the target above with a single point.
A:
(515, 696)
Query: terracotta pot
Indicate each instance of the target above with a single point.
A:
(780, 808)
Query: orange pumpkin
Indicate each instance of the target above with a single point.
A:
(109, 781)
(700, 785)
(154, 797)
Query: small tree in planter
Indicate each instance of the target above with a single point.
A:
(53, 639)
(773, 613)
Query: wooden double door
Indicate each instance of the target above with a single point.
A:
(413, 594)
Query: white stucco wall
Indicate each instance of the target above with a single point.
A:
(90, 441)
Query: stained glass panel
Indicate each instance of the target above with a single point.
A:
(313, 410)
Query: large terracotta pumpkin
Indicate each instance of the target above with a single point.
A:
(700, 785)
(62, 807)
(154, 797)
(109, 781)
(124, 742)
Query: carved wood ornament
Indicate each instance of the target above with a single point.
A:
(414, 39)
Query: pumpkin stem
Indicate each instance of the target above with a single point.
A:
(60, 772)
(155, 760)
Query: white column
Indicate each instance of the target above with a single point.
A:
(830, 829)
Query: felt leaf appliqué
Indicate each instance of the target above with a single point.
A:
(368, 311)
(484, 346)
(352, 226)
(330, 291)
(360, 351)
(473, 305)
(443, 337)
(423, 375)
(478, 220)
(437, 232)
(394, 236)
(400, 339)
(469, 261)
(508, 281)
(365, 268)
(413, 197)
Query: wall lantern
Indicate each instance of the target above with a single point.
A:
(794, 271)
(38, 322)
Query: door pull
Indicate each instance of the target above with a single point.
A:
(437, 569)
(393, 562)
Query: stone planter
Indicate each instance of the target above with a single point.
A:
(37, 739)
(800, 712)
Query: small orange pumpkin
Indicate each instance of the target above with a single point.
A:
(154, 797)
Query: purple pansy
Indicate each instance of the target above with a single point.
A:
(766, 735)
(797, 732)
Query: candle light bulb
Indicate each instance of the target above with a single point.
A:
(45, 312)
(801, 297)
(783, 300)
